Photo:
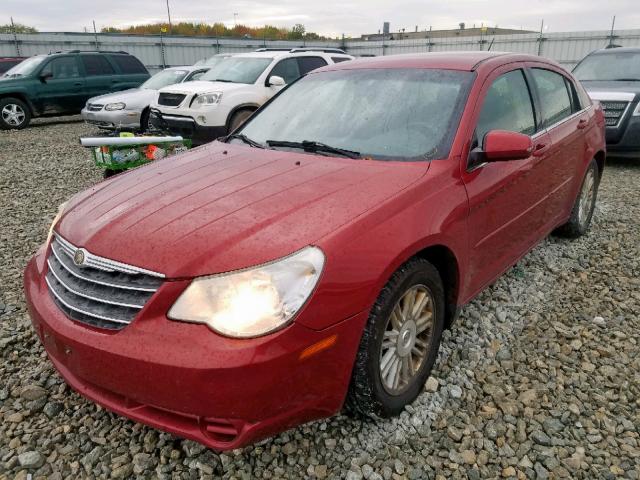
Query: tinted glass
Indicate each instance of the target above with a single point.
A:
(507, 106)
(26, 67)
(96, 65)
(238, 69)
(287, 69)
(308, 64)
(609, 67)
(164, 78)
(62, 67)
(8, 64)
(386, 114)
(554, 96)
(340, 59)
(128, 64)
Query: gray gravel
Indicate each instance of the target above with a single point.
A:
(540, 378)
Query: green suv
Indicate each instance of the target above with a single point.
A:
(60, 83)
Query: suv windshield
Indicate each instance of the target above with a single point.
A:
(390, 114)
(164, 78)
(609, 67)
(26, 67)
(238, 70)
(213, 61)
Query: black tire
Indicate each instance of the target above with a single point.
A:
(108, 173)
(144, 120)
(368, 395)
(238, 118)
(583, 208)
(14, 114)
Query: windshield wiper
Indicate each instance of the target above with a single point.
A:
(626, 79)
(314, 147)
(222, 80)
(245, 139)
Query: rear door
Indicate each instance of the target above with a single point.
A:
(61, 88)
(308, 64)
(565, 121)
(130, 72)
(506, 199)
(100, 75)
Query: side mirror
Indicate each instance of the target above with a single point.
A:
(276, 81)
(44, 76)
(501, 145)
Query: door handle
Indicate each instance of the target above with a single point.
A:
(77, 84)
(582, 124)
(539, 149)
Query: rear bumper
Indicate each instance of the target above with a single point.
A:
(186, 380)
(111, 120)
(187, 127)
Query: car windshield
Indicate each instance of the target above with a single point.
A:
(26, 67)
(238, 70)
(164, 78)
(213, 61)
(609, 67)
(384, 114)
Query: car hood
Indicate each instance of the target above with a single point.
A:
(132, 96)
(612, 87)
(225, 207)
(202, 86)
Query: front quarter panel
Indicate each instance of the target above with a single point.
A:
(362, 256)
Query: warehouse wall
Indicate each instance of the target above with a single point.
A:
(155, 51)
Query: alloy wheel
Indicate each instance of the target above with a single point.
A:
(13, 115)
(407, 339)
(586, 197)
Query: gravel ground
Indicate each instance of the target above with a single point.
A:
(540, 378)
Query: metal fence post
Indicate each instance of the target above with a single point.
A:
(15, 38)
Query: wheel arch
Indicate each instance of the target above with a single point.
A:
(24, 98)
(600, 158)
(243, 106)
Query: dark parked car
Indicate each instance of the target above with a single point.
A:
(9, 62)
(61, 83)
(612, 76)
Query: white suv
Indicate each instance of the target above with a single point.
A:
(232, 90)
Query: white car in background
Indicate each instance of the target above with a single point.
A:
(129, 109)
(232, 90)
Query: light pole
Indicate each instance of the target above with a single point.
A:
(169, 16)
(235, 19)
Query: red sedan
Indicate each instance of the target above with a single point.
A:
(312, 259)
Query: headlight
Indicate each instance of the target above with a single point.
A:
(55, 221)
(206, 99)
(252, 302)
(115, 106)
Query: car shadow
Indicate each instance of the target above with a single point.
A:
(45, 122)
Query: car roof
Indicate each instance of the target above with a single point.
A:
(190, 68)
(614, 50)
(463, 61)
(287, 53)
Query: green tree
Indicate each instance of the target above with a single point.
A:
(19, 28)
(297, 32)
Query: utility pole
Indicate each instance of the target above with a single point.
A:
(235, 19)
(95, 34)
(15, 38)
(169, 17)
(540, 38)
(613, 24)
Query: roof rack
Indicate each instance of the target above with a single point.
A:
(302, 49)
(92, 51)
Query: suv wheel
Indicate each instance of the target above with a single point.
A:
(399, 343)
(585, 204)
(14, 114)
(239, 118)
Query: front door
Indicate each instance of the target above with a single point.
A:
(506, 199)
(61, 87)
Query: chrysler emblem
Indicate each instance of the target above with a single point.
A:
(78, 257)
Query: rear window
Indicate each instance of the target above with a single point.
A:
(128, 64)
(340, 59)
(554, 96)
(95, 65)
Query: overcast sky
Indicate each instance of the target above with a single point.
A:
(329, 17)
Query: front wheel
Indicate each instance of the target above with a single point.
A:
(14, 114)
(584, 205)
(238, 119)
(399, 343)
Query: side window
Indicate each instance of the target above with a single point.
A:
(310, 63)
(287, 69)
(340, 59)
(576, 101)
(507, 106)
(128, 64)
(62, 67)
(554, 96)
(95, 65)
(195, 76)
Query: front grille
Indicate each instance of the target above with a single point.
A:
(100, 292)
(613, 112)
(94, 107)
(170, 99)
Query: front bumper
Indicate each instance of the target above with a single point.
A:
(626, 145)
(186, 127)
(124, 119)
(186, 380)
